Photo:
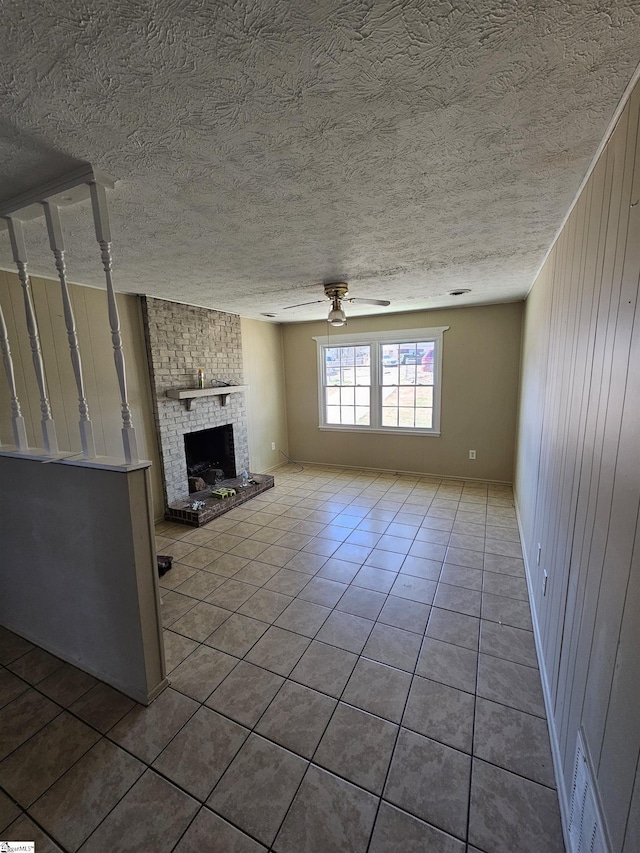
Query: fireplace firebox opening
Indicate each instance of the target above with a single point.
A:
(210, 456)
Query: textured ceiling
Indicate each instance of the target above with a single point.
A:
(263, 147)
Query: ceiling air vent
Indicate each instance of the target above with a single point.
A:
(585, 824)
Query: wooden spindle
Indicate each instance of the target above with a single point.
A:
(56, 242)
(17, 421)
(103, 236)
(16, 236)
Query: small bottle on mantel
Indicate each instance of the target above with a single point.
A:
(200, 378)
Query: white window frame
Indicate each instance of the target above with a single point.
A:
(375, 339)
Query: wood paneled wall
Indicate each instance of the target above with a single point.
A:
(578, 480)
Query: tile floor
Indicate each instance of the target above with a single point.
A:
(352, 668)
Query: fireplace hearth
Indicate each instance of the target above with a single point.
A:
(183, 512)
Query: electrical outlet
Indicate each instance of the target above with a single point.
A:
(273, 445)
(472, 454)
(539, 553)
(544, 583)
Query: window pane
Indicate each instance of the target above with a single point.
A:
(347, 414)
(424, 418)
(333, 414)
(362, 415)
(408, 374)
(331, 355)
(425, 374)
(363, 375)
(363, 355)
(390, 376)
(347, 377)
(333, 396)
(424, 396)
(363, 396)
(347, 396)
(389, 396)
(332, 368)
(347, 356)
(406, 417)
(389, 354)
(407, 396)
(389, 416)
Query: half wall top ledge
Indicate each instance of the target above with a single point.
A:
(68, 189)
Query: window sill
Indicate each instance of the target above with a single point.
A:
(378, 430)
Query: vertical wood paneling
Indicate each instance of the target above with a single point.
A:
(579, 495)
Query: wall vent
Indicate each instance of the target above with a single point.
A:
(585, 825)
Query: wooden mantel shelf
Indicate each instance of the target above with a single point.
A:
(188, 395)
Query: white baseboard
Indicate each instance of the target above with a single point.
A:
(563, 798)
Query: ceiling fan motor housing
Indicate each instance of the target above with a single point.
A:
(336, 290)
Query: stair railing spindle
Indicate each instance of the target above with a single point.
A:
(18, 247)
(56, 243)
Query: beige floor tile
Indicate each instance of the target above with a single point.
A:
(22, 718)
(32, 768)
(209, 833)
(297, 718)
(327, 814)
(237, 635)
(358, 747)
(11, 686)
(431, 781)
(25, 829)
(145, 731)
(441, 713)
(152, 816)
(202, 672)
(379, 689)
(396, 830)
(201, 751)
(72, 808)
(258, 787)
(245, 693)
(102, 707)
(35, 666)
(529, 817)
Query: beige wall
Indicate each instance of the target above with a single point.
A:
(481, 353)
(578, 481)
(90, 307)
(266, 410)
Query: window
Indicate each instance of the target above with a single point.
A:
(381, 382)
(347, 383)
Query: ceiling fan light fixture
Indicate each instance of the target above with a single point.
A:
(336, 315)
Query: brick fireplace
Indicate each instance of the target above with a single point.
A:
(180, 339)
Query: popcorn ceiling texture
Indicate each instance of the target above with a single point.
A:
(264, 146)
(180, 339)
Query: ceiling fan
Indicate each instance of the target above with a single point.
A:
(336, 292)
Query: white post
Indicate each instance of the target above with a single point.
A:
(16, 236)
(103, 236)
(19, 431)
(56, 242)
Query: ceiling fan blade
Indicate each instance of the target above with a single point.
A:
(300, 304)
(369, 301)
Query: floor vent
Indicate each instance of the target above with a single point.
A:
(585, 826)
